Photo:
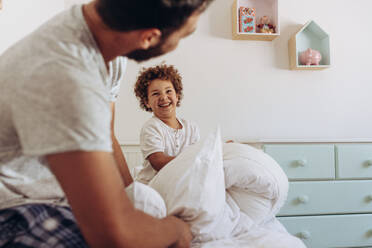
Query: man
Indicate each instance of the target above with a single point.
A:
(58, 87)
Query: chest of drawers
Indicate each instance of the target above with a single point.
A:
(330, 194)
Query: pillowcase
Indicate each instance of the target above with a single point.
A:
(254, 180)
(146, 199)
(193, 187)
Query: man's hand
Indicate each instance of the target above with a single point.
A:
(186, 236)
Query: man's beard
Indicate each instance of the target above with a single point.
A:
(141, 55)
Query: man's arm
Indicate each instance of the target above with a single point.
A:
(104, 213)
(158, 160)
(118, 153)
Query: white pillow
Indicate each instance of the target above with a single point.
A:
(146, 199)
(193, 187)
(255, 181)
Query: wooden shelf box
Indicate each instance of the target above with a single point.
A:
(311, 35)
(262, 8)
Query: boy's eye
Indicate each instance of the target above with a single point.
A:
(169, 91)
(155, 94)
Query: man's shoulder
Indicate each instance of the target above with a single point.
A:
(65, 36)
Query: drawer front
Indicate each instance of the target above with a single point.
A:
(328, 197)
(354, 161)
(331, 231)
(304, 161)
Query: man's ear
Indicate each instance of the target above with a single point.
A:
(149, 38)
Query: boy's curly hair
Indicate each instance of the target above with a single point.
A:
(147, 75)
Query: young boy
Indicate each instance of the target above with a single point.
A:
(164, 136)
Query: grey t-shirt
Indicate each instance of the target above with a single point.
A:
(55, 94)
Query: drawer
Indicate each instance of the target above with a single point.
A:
(304, 161)
(328, 197)
(331, 231)
(354, 161)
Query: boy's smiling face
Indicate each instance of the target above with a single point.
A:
(162, 98)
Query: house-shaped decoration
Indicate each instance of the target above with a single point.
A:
(312, 36)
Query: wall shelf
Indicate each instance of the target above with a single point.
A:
(262, 8)
(311, 35)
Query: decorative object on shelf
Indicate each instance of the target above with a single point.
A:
(310, 57)
(240, 30)
(247, 20)
(264, 26)
(310, 35)
(1, 4)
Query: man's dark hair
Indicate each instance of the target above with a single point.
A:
(166, 15)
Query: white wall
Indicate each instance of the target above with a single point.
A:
(246, 86)
(20, 17)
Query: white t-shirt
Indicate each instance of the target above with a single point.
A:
(156, 136)
(55, 97)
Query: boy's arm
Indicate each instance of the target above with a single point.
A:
(118, 153)
(105, 215)
(158, 160)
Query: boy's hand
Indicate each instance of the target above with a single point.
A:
(186, 236)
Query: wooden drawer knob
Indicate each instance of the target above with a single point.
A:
(301, 162)
(304, 235)
(303, 199)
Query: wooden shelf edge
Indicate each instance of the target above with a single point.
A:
(307, 68)
(254, 36)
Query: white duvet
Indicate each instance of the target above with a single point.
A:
(228, 193)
